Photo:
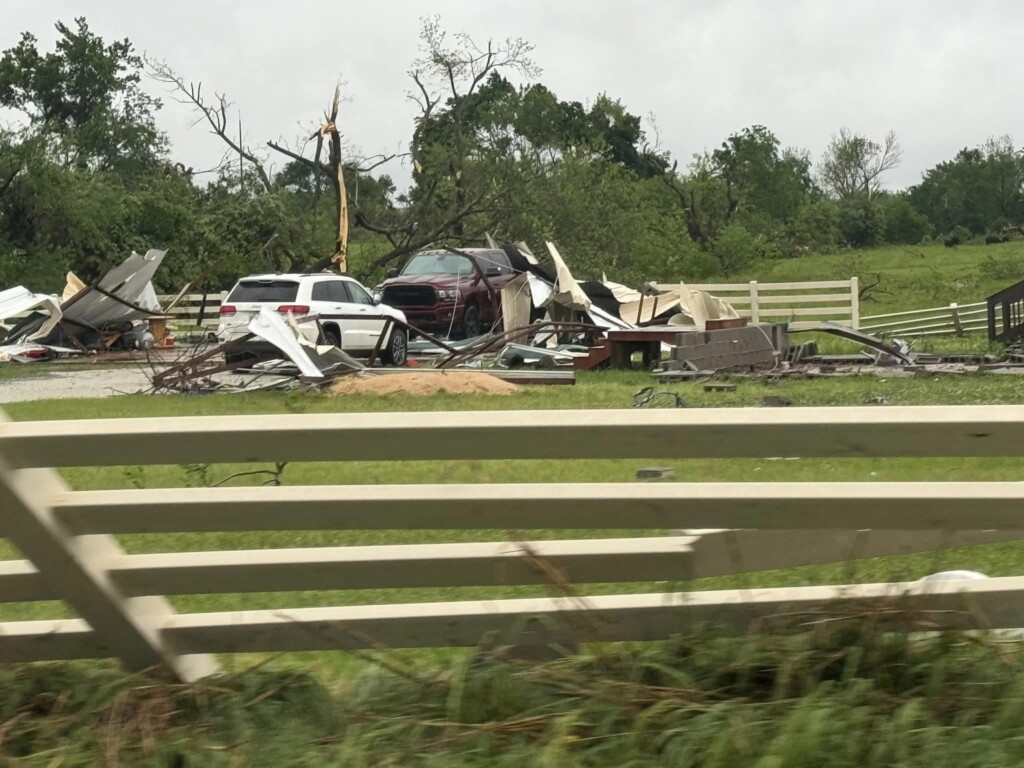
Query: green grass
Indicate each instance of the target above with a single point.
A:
(848, 696)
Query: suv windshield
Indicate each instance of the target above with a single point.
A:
(249, 291)
(438, 264)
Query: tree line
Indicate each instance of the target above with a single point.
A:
(87, 174)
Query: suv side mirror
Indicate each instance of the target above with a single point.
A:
(393, 272)
(376, 299)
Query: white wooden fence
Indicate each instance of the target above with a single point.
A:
(802, 304)
(69, 537)
(954, 320)
(186, 312)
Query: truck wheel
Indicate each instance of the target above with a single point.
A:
(397, 351)
(471, 322)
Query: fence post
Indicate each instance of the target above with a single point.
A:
(755, 310)
(76, 568)
(855, 303)
(955, 313)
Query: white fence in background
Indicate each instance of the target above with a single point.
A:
(186, 311)
(801, 304)
(954, 320)
(68, 538)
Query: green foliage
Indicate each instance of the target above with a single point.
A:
(861, 222)
(762, 183)
(904, 225)
(736, 249)
(816, 226)
(1008, 267)
(87, 95)
(86, 177)
(606, 219)
(850, 696)
(981, 189)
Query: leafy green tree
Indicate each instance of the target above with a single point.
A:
(904, 225)
(815, 226)
(861, 221)
(608, 220)
(980, 189)
(86, 95)
(763, 184)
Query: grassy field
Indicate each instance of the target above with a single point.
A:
(854, 697)
(913, 276)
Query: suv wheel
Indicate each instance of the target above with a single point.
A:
(471, 322)
(331, 337)
(397, 351)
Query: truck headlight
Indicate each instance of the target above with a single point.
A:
(451, 295)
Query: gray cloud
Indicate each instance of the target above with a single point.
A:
(942, 74)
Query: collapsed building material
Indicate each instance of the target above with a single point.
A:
(681, 307)
(542, 331)
(516, 303)
(313, 362)
(519, 355)
(18, 300)
(32, 353)
(125, 293)
(897, 351)
(100, 315)
(567, 291)
(647, 395)
(622, 293)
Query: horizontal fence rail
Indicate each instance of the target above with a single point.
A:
(996, 430)
(186, 312)
(954, 320)
(834, 300)
(71, 552)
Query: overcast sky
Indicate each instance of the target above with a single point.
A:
(942, 74)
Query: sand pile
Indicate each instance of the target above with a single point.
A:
(454, 382)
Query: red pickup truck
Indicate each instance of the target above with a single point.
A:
(450, 294)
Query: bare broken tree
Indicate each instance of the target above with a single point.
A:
(332, 168)
(444, 75)
(214, 114)
(853, 164)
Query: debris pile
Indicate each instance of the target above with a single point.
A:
(118, 311)
(546, 326)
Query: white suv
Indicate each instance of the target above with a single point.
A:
(306, 297)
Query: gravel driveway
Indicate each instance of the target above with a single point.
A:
(63, 385)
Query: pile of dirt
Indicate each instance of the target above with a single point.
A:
(454, 382)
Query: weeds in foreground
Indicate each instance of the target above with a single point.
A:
(849, 696)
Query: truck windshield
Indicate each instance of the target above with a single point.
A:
(438, 264)
(249, 291)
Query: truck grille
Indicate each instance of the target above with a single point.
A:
(409, 296)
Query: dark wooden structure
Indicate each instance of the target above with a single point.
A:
(1006, 313)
